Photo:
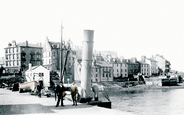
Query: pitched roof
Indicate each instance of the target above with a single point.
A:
(142, 62)
(103, 64)
(34, 67)
(29, 45)
(151, 59)
(54, 44)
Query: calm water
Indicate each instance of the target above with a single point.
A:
(150, 102)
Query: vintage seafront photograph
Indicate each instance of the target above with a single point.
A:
(86, 57)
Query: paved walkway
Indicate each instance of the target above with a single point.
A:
(24, 103)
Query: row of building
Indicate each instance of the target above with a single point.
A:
(106, 64)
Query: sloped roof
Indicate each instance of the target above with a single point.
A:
(34, 67)
(151, 59)
(142, 62)
(54, 44)
(29, 45)
(103, 64)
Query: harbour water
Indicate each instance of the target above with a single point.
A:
(169, 101)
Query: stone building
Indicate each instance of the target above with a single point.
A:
(120, 68)
(133, 67)
(153, 70)
(51, 57)
(102, 71)
(19, 55)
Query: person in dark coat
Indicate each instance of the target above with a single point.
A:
(39, 88)
(60, 90)
(54, 88)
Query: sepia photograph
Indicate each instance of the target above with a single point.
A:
(91, 57)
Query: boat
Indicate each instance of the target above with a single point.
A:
(27, 86)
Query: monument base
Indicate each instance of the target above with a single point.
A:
(101, 104)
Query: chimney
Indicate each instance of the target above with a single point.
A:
(87, 54)
(26, 43)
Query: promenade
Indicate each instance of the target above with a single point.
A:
(24, 103)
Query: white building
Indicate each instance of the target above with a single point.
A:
(163, 64)
(120, 68)
(144, 68)
(39, 74)
(152, 63)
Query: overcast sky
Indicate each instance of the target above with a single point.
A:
(132, 28)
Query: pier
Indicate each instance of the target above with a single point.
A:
(24, 103)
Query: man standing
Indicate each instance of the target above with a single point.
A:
(54, 88)
(95, 91)
(39, 88)
(74, 92)
(60, 90)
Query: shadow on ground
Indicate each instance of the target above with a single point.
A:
(35, 108)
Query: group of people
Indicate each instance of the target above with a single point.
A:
(59, 91)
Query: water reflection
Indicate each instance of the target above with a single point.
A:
(149, 102)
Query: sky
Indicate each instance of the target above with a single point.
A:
(132, 28)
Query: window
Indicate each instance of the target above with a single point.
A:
(13, 56)
(17, 49)
(96, 75)
(6, 63)
(17, 63)
(103, 74)
(13, 50)
(106, 75)
(6, 51)
(9, 51)
(17, 56)
(117, 64)
(96, 70)
(54, 53)
(41, 74)
(9, 56)
(13, 63)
